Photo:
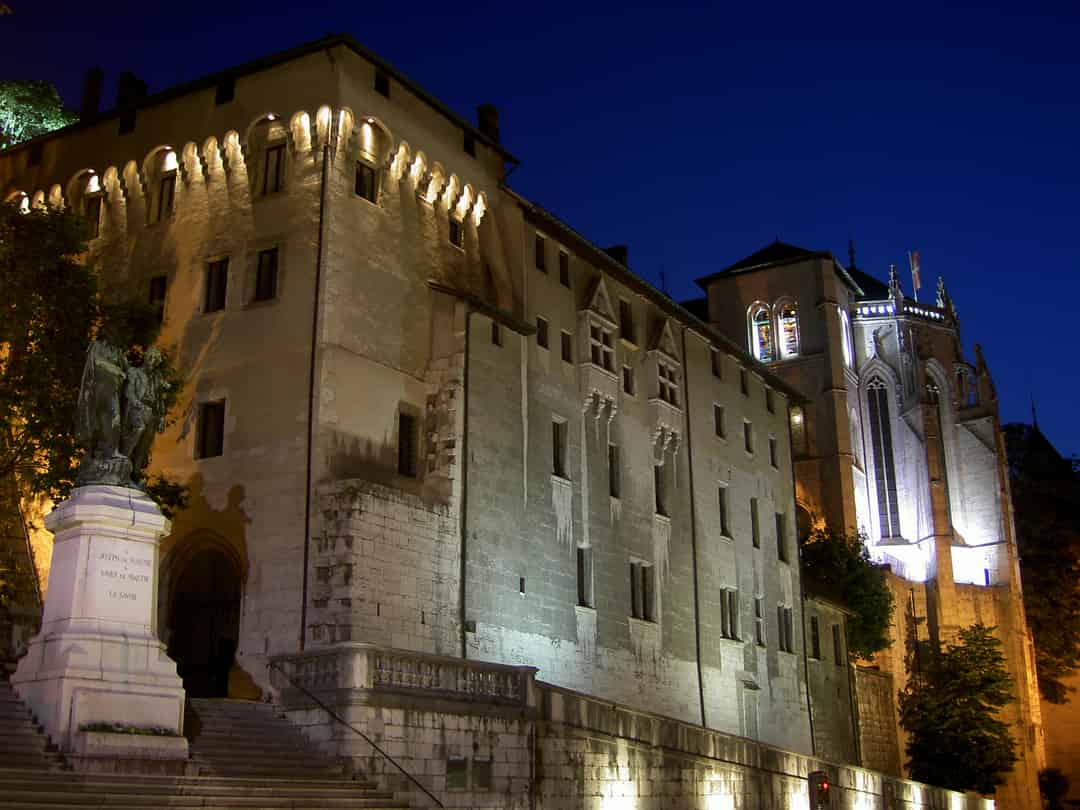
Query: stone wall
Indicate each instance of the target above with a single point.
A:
(879, 748)
(499, 739)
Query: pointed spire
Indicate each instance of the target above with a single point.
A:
(851, 253)
(1034, 415)
(942, 296)
(894, 288)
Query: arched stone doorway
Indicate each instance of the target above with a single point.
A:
(204, 621)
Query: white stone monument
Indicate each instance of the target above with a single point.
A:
(97, 659)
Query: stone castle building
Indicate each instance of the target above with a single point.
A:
(459, 471)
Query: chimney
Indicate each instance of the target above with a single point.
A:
(91, 94)
(619, 253)
(130, 91)
(487, 121)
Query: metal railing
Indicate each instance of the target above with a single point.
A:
(333, 714)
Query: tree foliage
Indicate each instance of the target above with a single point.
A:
(839, 568)
(949, 710)
(51, 307)
(29, 109)
(1045, 490)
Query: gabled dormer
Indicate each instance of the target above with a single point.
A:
(597, 360)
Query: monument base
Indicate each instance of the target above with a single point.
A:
(97, 663)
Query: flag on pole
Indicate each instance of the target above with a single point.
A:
(916, 279)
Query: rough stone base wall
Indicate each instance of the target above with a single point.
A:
(878, 744)
(572, 752)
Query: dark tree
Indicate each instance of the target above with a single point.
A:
(949, 711)
(839, 568)
(50, 309)
(1045, 490)
(1054, 786)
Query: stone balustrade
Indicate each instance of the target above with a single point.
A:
(393, 671)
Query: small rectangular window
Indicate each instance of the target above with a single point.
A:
(748, 437)
(744, 382)
(558, 448)
(93, 215)
(785, 630)
(542, 333)
(217, 281)
(483, 773)
(718, 421)
(584, 577)
(456, 233)
(614, 478)
(729, 613)
(272, 173)
(759, 621)
(382, 84)
(564, 268)
(660, 489)
(210, 437)
(540, 251)
(567, 348)
(127, 121)
(158, 287)
(781, 539)
(755, 528)
(641, 591)
(365, 185)
(166, 192)
(815, 638)
(722, 505)
(468, 143)
(628, 384)
(406, 458)
(626, 322)
(266, 274)
(717, 362)
(770, 405)
(772, 451)
(496, 334)
(837, 646)
(457, 773)
(601, 348)
(226, 90)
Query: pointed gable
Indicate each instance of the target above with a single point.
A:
(600, 302)
(664, 341)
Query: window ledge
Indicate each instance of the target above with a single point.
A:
(630, 344)
(253, 304)
(587, 610)
(732, 641)
(643, 625)
(561, 480)
(660, 516)
(590, 365)
(727, 537)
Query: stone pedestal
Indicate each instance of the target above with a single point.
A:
(97, 659)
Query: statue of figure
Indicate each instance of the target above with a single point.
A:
(98, 421)
(144, 411)
(121, 410)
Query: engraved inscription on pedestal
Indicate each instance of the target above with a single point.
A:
(121, 580)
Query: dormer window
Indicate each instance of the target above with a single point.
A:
(668, 379)
(787, 319)
(761, 332)
(601, 347)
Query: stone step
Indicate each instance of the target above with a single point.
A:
(116, 799)
(179, 784)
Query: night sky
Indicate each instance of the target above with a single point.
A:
(698, 135)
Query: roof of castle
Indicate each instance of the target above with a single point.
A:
(777, 254)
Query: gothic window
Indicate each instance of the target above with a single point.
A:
(787, 319)
(761, 333)
(668, 383)
(845, 338)
(856, 437)
(877, 396)
(601, 347)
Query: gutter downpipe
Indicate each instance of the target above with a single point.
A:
(320, 245)
(802, 593)
(693, 530)
(464, 484)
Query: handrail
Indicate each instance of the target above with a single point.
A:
(354, 729)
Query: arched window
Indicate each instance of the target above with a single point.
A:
(761, 333)
(877, 402)
(845, 338)
(856, 437)
(787, 320)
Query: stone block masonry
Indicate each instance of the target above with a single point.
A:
(489, 736)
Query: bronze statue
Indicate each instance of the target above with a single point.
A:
(121, 409)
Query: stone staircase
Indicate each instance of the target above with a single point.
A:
(247, 756)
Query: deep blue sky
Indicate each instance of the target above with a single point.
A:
(696, 135)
